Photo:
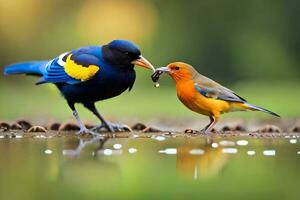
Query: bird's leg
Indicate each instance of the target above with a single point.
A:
(83, 129)
(213, 121)
(105, 124)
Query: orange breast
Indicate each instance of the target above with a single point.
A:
(196, 102)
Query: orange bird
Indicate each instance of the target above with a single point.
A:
(203, 95)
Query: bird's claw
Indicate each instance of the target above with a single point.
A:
(113, 127)
(84, 131)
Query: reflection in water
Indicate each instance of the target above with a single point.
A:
(83, 143)
(27, 172)
(208, 162)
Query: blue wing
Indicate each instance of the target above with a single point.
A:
(70, 67)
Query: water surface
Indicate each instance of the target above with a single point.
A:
(158, 167)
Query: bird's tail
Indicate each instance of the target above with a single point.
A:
(257, 108)
(32, 68)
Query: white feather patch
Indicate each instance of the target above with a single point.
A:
(60, 60)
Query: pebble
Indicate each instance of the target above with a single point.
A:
(36, 129)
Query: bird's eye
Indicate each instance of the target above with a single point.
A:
(176, 68)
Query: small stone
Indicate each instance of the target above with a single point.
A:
(89, 126)
(36, 129)
(191, 131)
(54, 126)
(138, 127)
(69, 127)
(4, 126)
(296, 129)
(24, 124)
(226, 128)
(15, 126)
(269, 129)
(213, 130)
(240, 128)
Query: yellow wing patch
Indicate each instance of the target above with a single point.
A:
(79, 72)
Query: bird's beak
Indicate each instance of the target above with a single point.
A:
(163, 69)
(143, 62)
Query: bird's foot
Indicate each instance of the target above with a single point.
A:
(113, 127)
(85, 131)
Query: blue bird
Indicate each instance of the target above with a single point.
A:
(89, 74)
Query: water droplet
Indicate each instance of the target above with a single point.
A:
(242, 142)
(293, 141)
(230, 150)
(214, 145)
(117, 146)
(197, 151)
(48, 151)
(107, 152)
(132, 150)
(251, 153)
(269, 152)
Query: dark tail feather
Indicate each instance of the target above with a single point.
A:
(253, 107)
(35, 68)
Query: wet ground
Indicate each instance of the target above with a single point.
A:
(150, 164)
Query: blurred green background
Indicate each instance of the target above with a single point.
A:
(250, 46)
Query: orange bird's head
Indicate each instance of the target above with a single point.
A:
(179, 71)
